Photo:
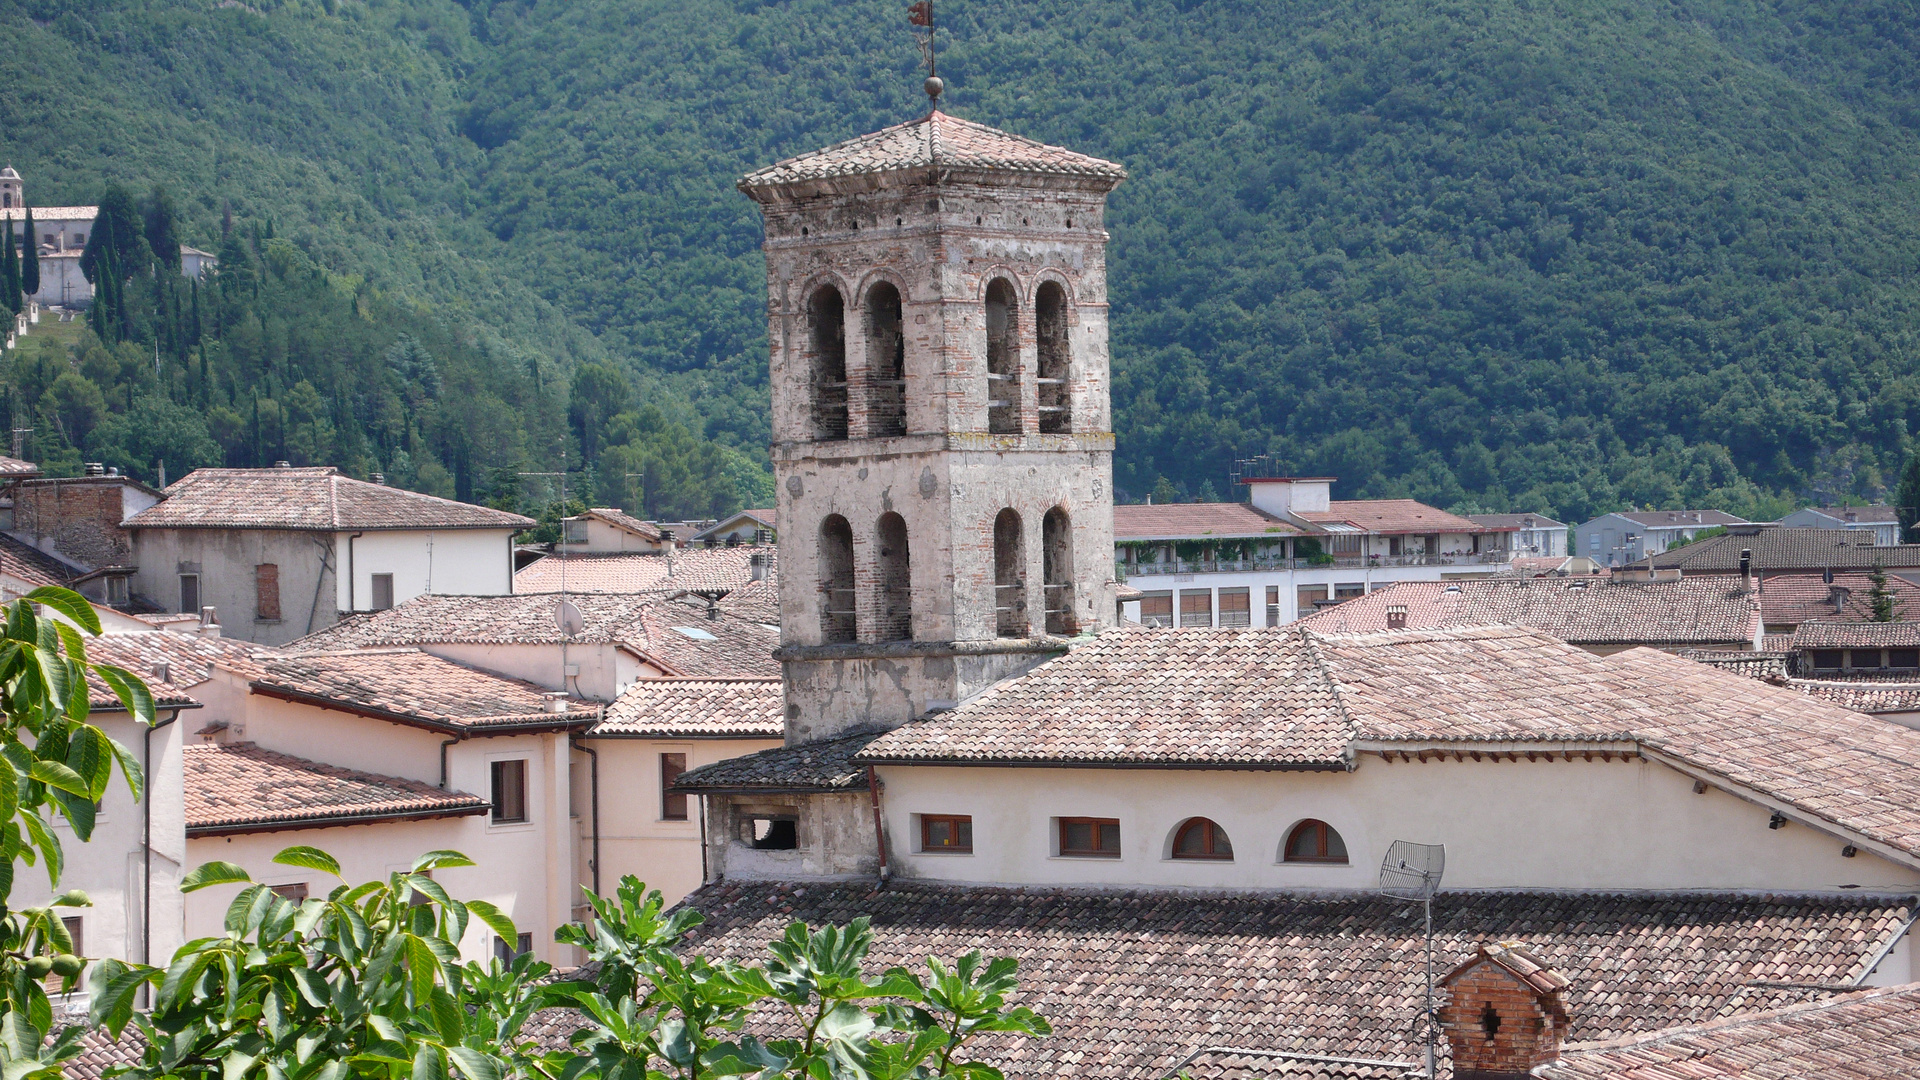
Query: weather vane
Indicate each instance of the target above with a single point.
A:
(920, 17)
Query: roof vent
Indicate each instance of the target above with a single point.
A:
(554, 702)
(1451, 589)
(1397, 617)
(283, 464)
(95, 468)
(379, 478)
(162, 671)
(113, 470)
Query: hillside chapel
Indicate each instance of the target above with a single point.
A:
(1179, 831)
(61, 233)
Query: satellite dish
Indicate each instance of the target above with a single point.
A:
(1412, 871)
(567, 618)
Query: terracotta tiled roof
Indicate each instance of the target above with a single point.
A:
(1860, 696)
(413, 687)
(1754, 665)
(101, 698)
(1132, 981)
(1288, 698)
(633, 572)
(828, 765)
(239, 788)
(1789, 599)
(44, 214)
(763, 517)
(697, 708)
(1871, 1035)
(934, 141)
(13, 467)
(1857, 635)
(1196, 521)
(1583, 610)
(757, 601)
(1538, 565)
(1516, 521)
(28, 564)
(189, 657)
(619, 518)
(653, 626)
(100, 1052)
(1775, 548)
(1861, 514)
(310, 499)
(1394, 516)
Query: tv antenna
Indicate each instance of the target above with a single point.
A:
(1412, 872)
(566, 616)
(920, 17)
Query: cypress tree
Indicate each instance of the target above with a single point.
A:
(1881, 599)
(30, 260)
(10, 273)
(193, 331)
(1907, 498)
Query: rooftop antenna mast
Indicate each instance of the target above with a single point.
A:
(1412, 872)
(920, 17)
(566, 617)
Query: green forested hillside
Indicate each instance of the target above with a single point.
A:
(1552, 255)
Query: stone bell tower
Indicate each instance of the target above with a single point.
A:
(942, 438)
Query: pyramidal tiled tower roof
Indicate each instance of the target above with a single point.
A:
(934, 141)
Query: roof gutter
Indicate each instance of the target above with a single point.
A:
(444, 727)
(1342, 765)
(146, 841)
(290, 824)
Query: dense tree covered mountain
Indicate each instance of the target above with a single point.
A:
(1543, 254)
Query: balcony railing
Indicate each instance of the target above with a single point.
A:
(1232, 566)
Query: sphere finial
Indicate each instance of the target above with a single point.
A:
(933, 87)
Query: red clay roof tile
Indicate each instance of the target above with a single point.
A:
(239, 787)
(308, 499)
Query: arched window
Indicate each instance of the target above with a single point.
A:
(1314, 841)
(896, 580)
(1003, 358)
(1056, 362)
(1200, 838)
(836, 580)
(886, 363)
(827, 336)
(1009, 576)
(1056, 536)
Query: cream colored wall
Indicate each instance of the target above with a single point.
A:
(604, 669)
(226, 559)
(634, 838)
(458, 562)
(349, 741)
(605, 537)
(1554, 825)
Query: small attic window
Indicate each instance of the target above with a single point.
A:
(695, 633)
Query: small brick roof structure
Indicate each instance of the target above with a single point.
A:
(696, 709)
(1857, 635)
(189, 657)
(1286, 698)
(1395, 516)
(313, 499)
(1198, 521)
(828, 765)
(1870, 1035)
(1133, 981)
(240, 788)
(1518, 961)
(1775, 548)
(697, 569)
(937, 142)
(1583, 610)
(1789, 599)
(674, 636)
(408, 686)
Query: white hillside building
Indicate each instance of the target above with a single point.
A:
(61, 235)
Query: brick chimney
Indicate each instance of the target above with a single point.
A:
(1503, 1015)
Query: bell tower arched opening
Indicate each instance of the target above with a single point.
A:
(827, 338)
(1009, 576)
(1056, 547)
(1055, 340)
(838, 622)
(1003, 358)
(886, 363)
(895, 619)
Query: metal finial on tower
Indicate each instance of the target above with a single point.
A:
(920, 17)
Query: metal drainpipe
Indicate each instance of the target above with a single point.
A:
(879, 829)
(351, 605)
(443, 760)
(593, 784)
(146, 840)
(704, 872)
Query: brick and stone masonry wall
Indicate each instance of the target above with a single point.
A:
(75, 519)
(1498, 1027)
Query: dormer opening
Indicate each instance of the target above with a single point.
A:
(1003, 358)
(838, 623)
(1009, 576)
(886, 363)
(827, 335)
(895, 621)
(1056, 362)
(1056, 534)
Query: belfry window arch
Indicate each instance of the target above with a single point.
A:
(1009, 576)
(838, 623)
(1003, 358)
(1056, 558)
(894, 618)
(1054, 339)
(886, 362)
(827, 346)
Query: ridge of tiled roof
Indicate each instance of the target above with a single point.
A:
(1826, 634)
(1777, 548)
(1133, 980)
(619, 518)
(1864, 515)
(190, 658)
(316, 498)
(1754, 665)
(1861, 696)
(1394, 516)
(243, 788)
(1679, 519)
(1792, 597)
(1516, 521)
(414, 687)
(24, 562)
(13, 467)
(1581, 609)
(1869, 1035)
(935, 141)
(827, 765)
(1180, 521)
(651, 625)
(696, 708)
(1255, 699)
(640, 571)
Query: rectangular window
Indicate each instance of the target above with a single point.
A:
(382, 591)
(946, 832)
(1593, 543)
(504, 951)
(117, 592)
(1156, 609)
(1196, 607)
(1088, 836)
(1349, 590)
(296, 892)
(1234, 607)
(1346, 544)
(673, 804)
(1273, 605)
(79, 239)
(510, 791)
(266, 592)
(1307, 596)
(1903, 658)
(55, 984)
(1827, 659)
(576, 532)
(189, 594)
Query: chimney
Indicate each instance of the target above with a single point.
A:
(379, 478)
(757, 566)
(162, 671)
(209, 622)
(1503, 1015)
(95, 468)
(1746, 562)
(1396, 616)
(554, 702)
(283, 465)
(1839, 594)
